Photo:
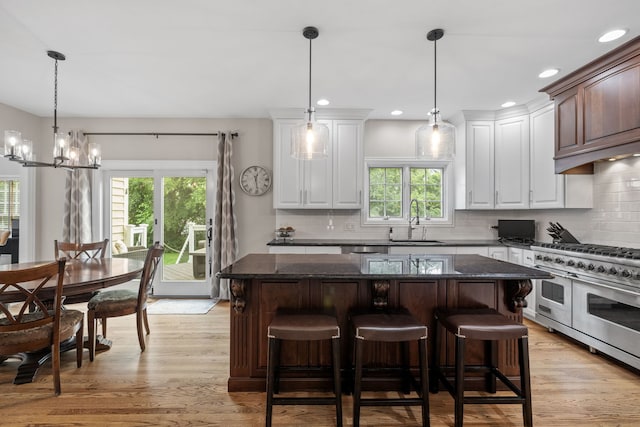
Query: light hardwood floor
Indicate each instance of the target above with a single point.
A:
(180, 380)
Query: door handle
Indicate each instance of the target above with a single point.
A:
(544, 308)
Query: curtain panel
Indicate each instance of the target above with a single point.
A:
(77, 201)
(225, 241)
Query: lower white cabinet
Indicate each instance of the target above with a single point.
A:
(498, 252)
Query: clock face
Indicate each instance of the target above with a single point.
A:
(255, 180)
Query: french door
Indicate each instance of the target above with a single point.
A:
(172, 206)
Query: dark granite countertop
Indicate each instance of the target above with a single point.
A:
(387, 243)
(376, 266)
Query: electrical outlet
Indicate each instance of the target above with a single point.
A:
(349, 226)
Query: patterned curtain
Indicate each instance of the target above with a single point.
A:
(77, 202)
(225, 242)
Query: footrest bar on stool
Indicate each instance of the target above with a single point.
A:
(391, 402)
(481, 400)
(304, 401)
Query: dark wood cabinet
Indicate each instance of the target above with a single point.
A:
(598, 110)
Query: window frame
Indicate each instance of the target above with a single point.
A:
(406, 165)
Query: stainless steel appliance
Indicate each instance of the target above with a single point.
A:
(594, 297)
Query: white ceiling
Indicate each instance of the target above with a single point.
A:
(240, 58)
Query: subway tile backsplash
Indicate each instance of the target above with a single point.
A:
(614, 219)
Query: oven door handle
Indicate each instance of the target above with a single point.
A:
(544, 308)
(610, 287)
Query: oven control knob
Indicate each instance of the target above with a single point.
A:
(600, 269)
(538, 256)
(625, 273)
(559, 260)
(591, 267)
(613, 271)
(581, 264)
(571, 263)
(546, 258)
(637, 276)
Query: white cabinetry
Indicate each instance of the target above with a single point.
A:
(512, 163)
(509, 163)
(331, 183)
(498, 163)
(480, 161)
(548, 189)
(498, 252)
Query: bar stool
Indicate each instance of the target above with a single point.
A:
(486, 325)
(302, 327)
(399, 327)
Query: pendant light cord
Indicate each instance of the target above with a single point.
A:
(55, 98)
(435, 78)
(309, 110)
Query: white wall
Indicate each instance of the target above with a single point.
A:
(256, 217)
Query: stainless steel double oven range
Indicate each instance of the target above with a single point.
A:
(594, 297)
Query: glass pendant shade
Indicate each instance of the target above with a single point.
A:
(95, 154)
(310, 140)
(12, 144)
(27, 150)
(61, 146)
(436, 140)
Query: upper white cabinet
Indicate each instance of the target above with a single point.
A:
(509, 164)
(512, 163)
(548, 189)
(480, 164)
(332, 183)
(497, 162)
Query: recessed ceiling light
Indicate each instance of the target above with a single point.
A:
(396, 112)
(508, 104)
(636, 155)
(612, 159)
(323, 102)
(548, 73)
(612, 35)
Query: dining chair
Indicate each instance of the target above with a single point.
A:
(4, 236)
(122, 302)
(34, 323)
(71, 250)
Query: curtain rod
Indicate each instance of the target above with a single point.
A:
(157, 134)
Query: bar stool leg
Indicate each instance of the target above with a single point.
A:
(406, 373)
(272, 361)
(424, 381)
(434, 381)
(525, 381)
(357, 383)
(337, 386)
(459, 399)
(491, 356)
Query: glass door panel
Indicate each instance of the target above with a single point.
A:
(170, 207)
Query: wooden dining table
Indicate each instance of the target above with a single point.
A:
(82, 278)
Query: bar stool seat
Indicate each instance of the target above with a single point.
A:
(490, 326)
(391, 326)
(302, 327)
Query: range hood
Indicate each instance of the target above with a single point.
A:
(597, 110)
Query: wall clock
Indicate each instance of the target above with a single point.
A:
(255, 180)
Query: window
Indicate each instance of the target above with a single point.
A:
(392, 185)
(9, 202)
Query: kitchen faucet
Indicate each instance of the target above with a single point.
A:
(417, 218)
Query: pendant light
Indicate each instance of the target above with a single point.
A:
(436, 139)
(310, 140)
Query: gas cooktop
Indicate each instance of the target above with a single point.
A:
(588, 248)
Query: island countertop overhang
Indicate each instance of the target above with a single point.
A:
(376, 266)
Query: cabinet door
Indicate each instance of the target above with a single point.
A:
(547, 188)
(347, 164)
(480, 165)
(317, 188)
(498, 252)
(287, 172)
(515, 255)
(512, 163)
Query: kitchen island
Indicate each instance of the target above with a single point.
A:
(262, 283)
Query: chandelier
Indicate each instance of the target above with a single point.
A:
(436, 139)
(65, 154)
